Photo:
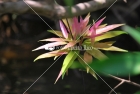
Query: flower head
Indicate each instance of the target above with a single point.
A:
(77, 32)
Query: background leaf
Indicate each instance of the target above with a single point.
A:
(121, 64)
(133, 32)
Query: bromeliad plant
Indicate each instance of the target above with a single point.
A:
(77, 32)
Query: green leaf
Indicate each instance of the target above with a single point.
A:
(120, 64)
(85, 65)
(109, 34)
(138, 29)
(76, 65)
(97, 54)
(51, 54)
(133, 32)
(113, 48)
(46, 55)
(123, 64)
(67, 63)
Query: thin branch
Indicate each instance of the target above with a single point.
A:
(116, 86)
(51, 9)
(122, 81)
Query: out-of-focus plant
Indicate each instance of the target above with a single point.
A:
(81, 40)
(120, 64)
(135, 33)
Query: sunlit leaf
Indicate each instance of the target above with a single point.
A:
(67, 63)
(46, 46)
(113, 48)
(97, 54)
(103, 45)
(109, 34)
(101, 26)
(54, 39)
(107, 28)
(55, 57)
(50, 54)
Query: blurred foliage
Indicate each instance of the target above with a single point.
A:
(121, 64)
(135, 33)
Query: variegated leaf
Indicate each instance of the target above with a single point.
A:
(113, 48)
(107, 28)
(50, 54)
(54, 39)
(109, 34)
(97, 54)
(46, 46)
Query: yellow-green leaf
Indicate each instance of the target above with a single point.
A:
(103, 45)
(109, 34)
(69, 22)
(51, 54)
(85, 64)
(97, 54)
(113, 48)
(67, 63)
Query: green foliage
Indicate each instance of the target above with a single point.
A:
(138, 29)
(71, 56)
(121, 64)
(133, 32)
(68, 61)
